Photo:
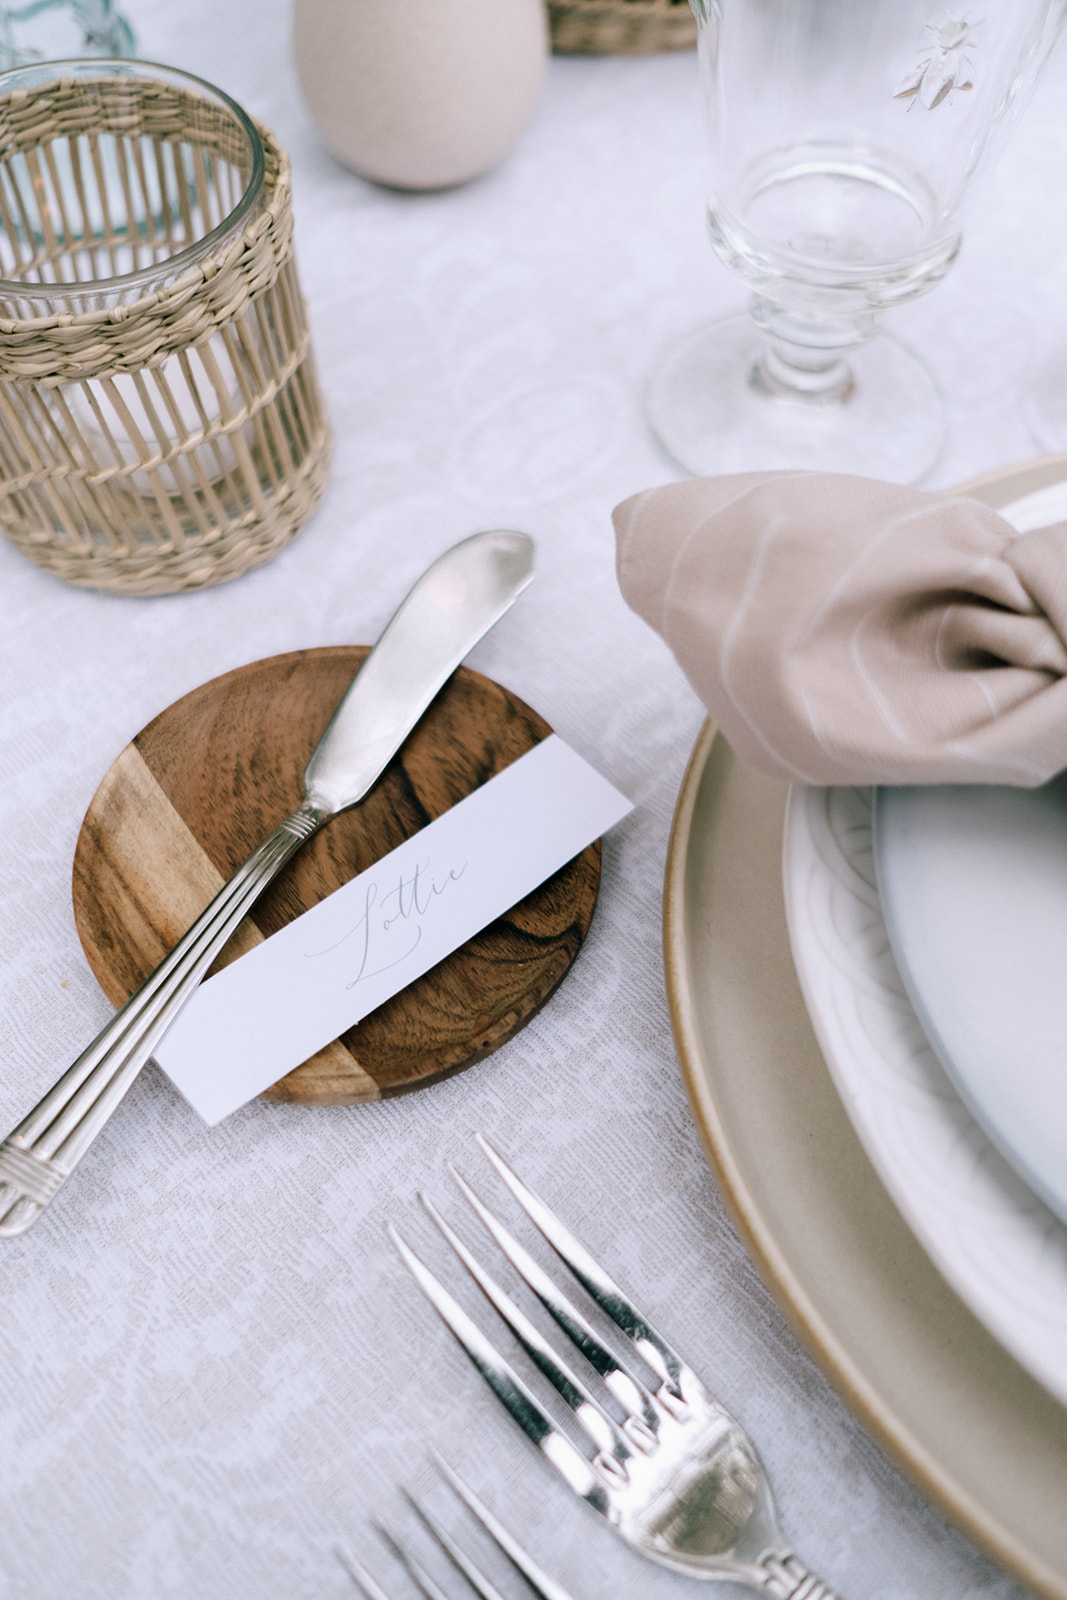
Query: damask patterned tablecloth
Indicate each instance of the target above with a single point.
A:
(214, 1366)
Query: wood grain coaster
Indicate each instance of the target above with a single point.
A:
(202, 784)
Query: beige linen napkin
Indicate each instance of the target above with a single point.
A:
(841, 630)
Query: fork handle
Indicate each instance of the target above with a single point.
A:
(785, 1577)
(39, 1156)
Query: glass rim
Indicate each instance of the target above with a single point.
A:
(39, 75)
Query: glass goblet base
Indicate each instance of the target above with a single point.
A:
(711, 415)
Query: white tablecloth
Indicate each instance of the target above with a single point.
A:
(213, 1365)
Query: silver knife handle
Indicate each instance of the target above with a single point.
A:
(42, 1152)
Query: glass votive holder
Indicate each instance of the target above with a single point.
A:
(161, 426)
(52, 30)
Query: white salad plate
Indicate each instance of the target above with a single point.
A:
(972, 887)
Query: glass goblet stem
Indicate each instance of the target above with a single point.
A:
(805, 356)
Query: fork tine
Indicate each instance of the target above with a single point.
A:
(540, 1582)
(544, 1587)
(477, 1580)
(359, 1575)
(588, 1412)
(631, 1394)
(420, 1577)
(509, 1389)
(652, 1347)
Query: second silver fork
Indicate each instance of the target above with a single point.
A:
(543, 1586)
(665, 1464)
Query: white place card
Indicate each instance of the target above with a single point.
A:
(267, 1012)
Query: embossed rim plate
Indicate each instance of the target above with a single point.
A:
(995, 1242)
(961, 1416)
(1001, 1249)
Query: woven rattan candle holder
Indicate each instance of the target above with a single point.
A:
(160, 421)
(621, 27)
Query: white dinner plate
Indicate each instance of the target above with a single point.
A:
(976, 879)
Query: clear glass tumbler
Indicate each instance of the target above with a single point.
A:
(842, 136)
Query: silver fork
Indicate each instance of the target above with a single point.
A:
(543, 1586)
(666, 1466)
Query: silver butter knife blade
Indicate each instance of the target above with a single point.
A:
(453, 604)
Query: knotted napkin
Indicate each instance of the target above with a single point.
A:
(841, 630)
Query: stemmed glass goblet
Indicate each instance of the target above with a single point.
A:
(843, 135)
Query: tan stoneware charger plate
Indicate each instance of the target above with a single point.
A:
(964, 1421)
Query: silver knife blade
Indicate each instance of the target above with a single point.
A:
(453, 604)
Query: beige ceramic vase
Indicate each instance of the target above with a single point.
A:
(420, 94)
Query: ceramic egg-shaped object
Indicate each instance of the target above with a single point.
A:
(420, 94)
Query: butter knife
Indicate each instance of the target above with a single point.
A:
(455, 602)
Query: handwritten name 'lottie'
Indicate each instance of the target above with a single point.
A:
(392, 918)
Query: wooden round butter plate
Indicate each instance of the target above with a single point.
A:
(201, 785)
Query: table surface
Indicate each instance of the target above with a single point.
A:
(214, 1366)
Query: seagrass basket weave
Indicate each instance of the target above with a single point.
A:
(621, 27)
(160, 422)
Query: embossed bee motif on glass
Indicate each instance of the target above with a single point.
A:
(945, 65)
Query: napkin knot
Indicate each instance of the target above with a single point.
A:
(842, 630)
